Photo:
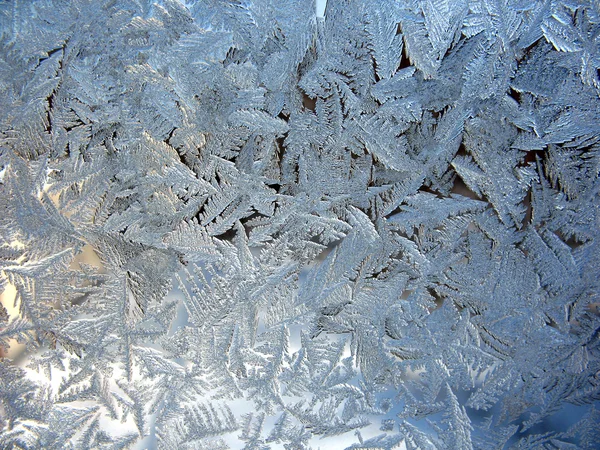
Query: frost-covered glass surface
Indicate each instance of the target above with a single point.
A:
(235, 224)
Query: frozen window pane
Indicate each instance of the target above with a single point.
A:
(261, 224)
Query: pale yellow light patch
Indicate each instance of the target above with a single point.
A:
(16, 244)
(8, 300)
(87, 256)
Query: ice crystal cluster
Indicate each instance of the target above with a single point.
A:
(235, 224)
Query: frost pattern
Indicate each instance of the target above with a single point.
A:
(232, 224)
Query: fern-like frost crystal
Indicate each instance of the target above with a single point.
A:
(236, 224)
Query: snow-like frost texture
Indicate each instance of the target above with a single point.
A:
(235, 224)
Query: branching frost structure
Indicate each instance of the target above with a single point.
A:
(232, 224)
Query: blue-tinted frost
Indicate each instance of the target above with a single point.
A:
(241, 224)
